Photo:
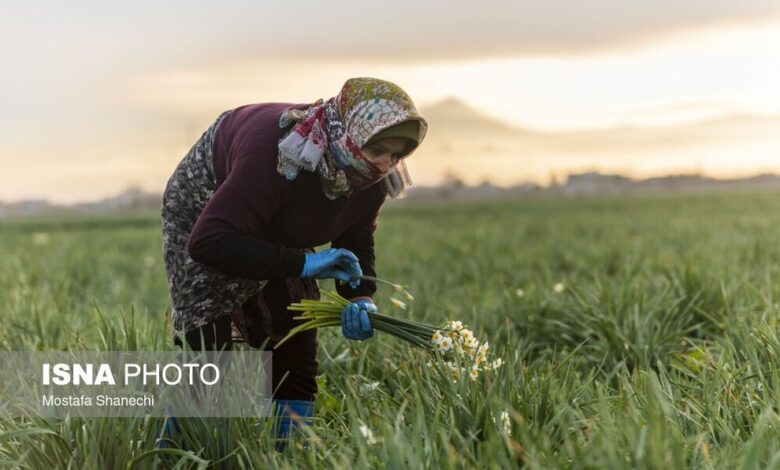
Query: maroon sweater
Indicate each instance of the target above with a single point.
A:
(257, 222)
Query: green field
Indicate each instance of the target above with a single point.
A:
(661, 350)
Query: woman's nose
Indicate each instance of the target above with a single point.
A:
(384, 164)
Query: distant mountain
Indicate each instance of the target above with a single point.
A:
(477, 147)
(453, 116)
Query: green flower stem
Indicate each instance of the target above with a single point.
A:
(327, 312)
(310, 325)
(398, 287)
(410, 330)
(411, 323)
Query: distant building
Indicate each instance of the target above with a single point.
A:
(595, 183)
(28, 207)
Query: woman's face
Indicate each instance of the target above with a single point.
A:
(386, 153)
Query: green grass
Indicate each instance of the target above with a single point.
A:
(662, 350)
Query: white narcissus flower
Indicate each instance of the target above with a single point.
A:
(369, 387)
(483, 348)
(497, 363)
(455, 325)
(437, 337)
(506, 423)
(454, 371)
(368, 434)
(466, 334)
(474, 373)
(445, 344)
(559, 287)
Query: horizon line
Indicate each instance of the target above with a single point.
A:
(554, 182)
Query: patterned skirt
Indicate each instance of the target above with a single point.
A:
(201, 294)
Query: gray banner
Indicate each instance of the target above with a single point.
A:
(124, 383)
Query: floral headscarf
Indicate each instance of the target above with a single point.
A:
(329, 134)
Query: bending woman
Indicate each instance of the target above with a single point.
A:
(265, 185)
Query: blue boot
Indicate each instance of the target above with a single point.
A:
(171, 431)
(291, 415)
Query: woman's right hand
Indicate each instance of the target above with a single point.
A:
(335, 263)
(355, 321)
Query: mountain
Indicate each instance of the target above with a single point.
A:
(461, 139)
(453, 116)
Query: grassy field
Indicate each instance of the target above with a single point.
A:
(659, 348)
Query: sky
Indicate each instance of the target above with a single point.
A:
(99, 96)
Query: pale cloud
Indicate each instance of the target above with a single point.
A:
(720, 72)
(447, 30)
(125, 34)
(80, 41)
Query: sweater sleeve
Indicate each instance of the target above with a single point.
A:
(359, 239)
(229, 235)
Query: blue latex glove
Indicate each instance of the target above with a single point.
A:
(355, 324)
(335, 263)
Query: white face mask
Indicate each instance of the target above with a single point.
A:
(397, 181)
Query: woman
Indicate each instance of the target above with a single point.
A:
(264, 185)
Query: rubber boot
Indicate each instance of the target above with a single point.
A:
(171, 431)
(290, 416)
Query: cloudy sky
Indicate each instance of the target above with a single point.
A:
(99, 96)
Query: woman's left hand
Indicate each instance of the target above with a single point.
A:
(355, 324)
(336, 263)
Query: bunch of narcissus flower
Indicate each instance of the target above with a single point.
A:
(327, 312)
(453, 339)
(456, 339)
